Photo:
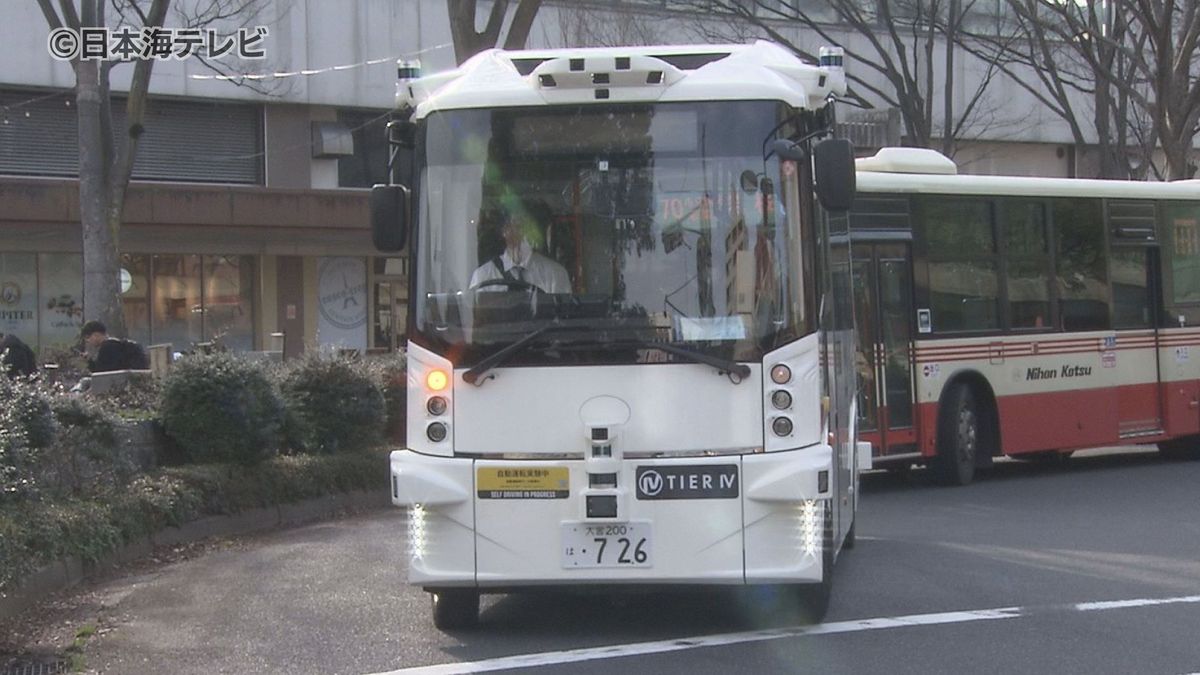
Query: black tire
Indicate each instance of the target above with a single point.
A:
(814, 598)
(958, 438)
(1180, 449)
(455, 608)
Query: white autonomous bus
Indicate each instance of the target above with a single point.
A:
(630, 332)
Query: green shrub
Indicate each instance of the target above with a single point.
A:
(16, 560)
(220, 407)
(391, 374)
(333, 403)
(83, 456)
(137, 400)
(15, 480)
(26, 426)
(33, 533)
(27, 406)
(55, 443)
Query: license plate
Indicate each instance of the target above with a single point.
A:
(607, 545)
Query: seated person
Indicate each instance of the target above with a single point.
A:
(520, 263)
(16, 357)
(106, 354)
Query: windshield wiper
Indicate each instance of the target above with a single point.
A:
(478, 373)
(741, 370)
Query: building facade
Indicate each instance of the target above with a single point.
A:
(247, 216)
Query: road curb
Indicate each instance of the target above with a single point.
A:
(67, 572)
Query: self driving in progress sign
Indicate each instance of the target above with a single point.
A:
(523, 482)
(707, 481)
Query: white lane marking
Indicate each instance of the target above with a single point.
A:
(1144, 602)
(837, 627)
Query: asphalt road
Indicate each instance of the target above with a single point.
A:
(1093, 567)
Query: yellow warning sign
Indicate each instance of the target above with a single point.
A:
(523, 482)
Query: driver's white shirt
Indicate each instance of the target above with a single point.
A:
(536, 269)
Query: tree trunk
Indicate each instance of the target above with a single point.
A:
(468, 42)
(948, 89)
(518, 30)
(101, 264)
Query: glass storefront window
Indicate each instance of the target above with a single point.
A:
(177, 310)
(60, 298)
(166, 299)
(384, 321)
(135, 296)
(18, 296)
(390, 308)
(228, 299)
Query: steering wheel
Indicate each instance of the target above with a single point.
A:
(507, 283)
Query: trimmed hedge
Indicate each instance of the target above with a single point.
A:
(51, 443)
(390, 372)
(35, 533)
(333, 405)
(221, 407)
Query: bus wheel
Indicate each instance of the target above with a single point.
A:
(455, 608)
(814, 598)
(1180, 448)
(958, 438)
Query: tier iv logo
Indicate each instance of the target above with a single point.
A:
(651, 483)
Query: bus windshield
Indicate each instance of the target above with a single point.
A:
(635, 222)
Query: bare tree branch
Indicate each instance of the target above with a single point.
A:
(518, 30)
(70, 16)
(51, 15)
(902, 42)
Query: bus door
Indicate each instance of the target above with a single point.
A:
(883, 307)
(1134, 354)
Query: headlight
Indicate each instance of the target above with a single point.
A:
(437, 380)
(782, 426)
(436, 405)
(781, 374)
(781, 399)
(436, 432)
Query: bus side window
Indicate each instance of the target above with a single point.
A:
(1181, 264)
(1027, 248)
(1081, 267)
(960, 243)
(1131, 288)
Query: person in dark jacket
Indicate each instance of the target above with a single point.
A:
(16, 357)
(106, 354)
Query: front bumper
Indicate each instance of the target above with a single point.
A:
(769, 532)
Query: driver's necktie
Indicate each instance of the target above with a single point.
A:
(518, 272)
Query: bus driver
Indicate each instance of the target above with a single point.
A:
(519, 263)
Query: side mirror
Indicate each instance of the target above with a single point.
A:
(389, 217)
(833, 173)
(749, 181)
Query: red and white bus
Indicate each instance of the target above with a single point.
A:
(1027, 317)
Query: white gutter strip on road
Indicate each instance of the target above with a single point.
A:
(1122, 604)
(880, 623)
(678, 644)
